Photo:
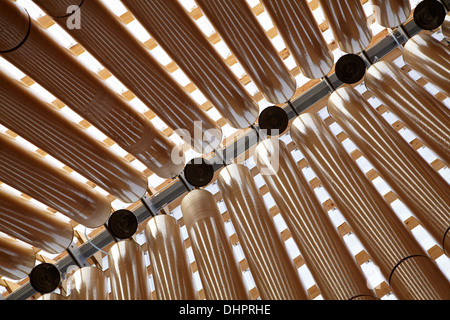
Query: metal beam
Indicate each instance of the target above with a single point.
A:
(176, 189)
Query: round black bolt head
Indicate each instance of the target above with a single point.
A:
(45, 278)
(429, 14)
(274, 120)
(350, 68)
(198, 172)
(123, 224)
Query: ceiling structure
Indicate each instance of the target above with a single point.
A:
(166, 194)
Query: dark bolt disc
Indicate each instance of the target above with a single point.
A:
(45, 278)
(123, 224)
(350, 68)
(274, 120)
(429, 14)
(198, 172)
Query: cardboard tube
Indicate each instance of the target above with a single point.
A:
(425, 281)
(416, 108)
(219, 272)
(23, 112)
(382, 233)
(247, 40)
(42, 229)
(52, 296)
(348, 23)
(301, 33)
(172, 274)
(129, 280)
(323, 249)
(445, 27)
(59, 72)
(103, 35)
(431, 58)
(33, 175)
(175, 31)
(17, 258)
(412, 179)
(88, 283)
(272, 269)
(391, 13)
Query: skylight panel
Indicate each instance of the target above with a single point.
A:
(364, 164)
(292, 248)
(197, 282)
(96, 134)
(249, 282)
(138, 165)
(289, 61)
(214, 114)
(373, 275)
(321, 194)
(11, 70)
(229, 228)
(212, 188)
(443, 263)
(78, 177)
(70, 114)
(265, 21)
(328, 35)
(138, 105)
(189, 5)
(25, 144)
(222, 49)
(177, 213)
(431, 88)
(427, 154)
(228, 130)
(407, 134)
(118, 150)
(116, 85)
(42, 93)
(308, 173)
(90, 62)
(253, 3)
(423, 237)
(154, 181)
(161, 56)
(280, 224)
(205, 25)
(353, 244)
(138, 31)
(159, 124)
(61, 36)
(336, 217)
(349, 145)
(401, 210)
(34, 11)
(301, 80)
(54, 162)
(198, 97)
(116, 6)
(118, 205)
(381, 185)
(180, 77)
(306, 277)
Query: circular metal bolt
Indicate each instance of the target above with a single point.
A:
(198, 172)
(350, 68)
(45, 278)
(429, 14)
(123, 224)
(274, 120)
